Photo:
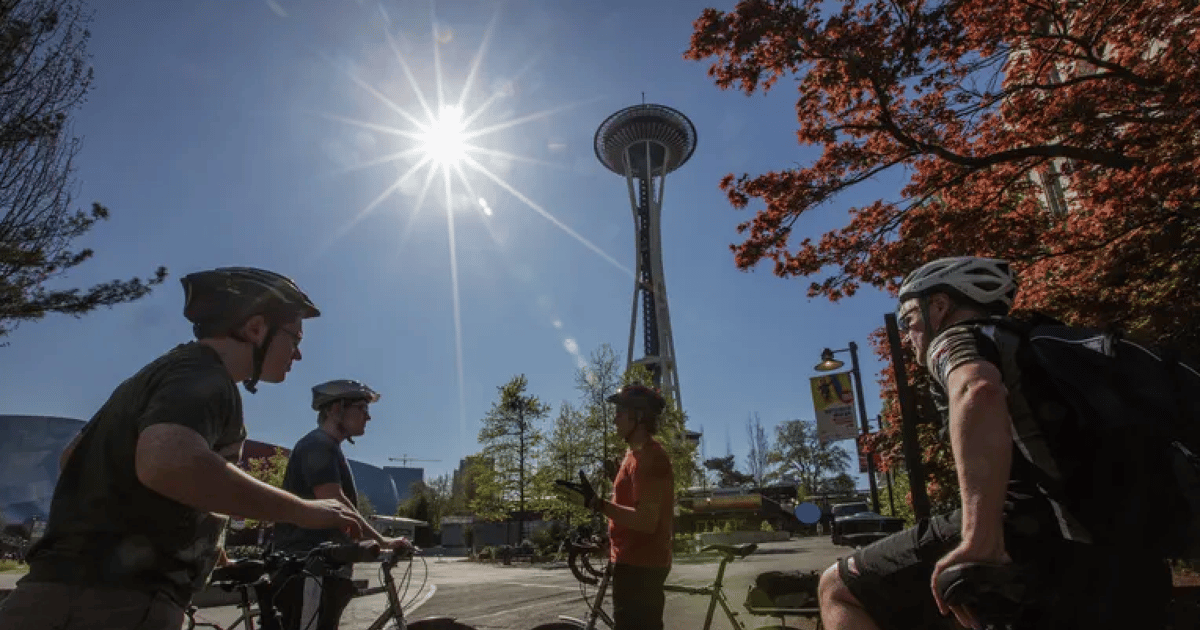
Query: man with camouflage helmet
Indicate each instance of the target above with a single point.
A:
(641, 513)
(132, 532)
(317, 469)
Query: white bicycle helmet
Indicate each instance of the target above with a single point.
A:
(986, 281)
(341, 389)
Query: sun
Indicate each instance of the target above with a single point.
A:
(444, 140)
(442, 135)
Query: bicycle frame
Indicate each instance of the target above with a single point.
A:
(714, 591)
(716, 595)
(395, 609)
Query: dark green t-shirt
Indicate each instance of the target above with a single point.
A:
(316, 460)
(105, 527)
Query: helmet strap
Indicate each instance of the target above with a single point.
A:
(339, 424)
(259, 356)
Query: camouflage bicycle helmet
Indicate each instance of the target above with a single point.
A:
(640, 397)
(220, 300)
(341, 389)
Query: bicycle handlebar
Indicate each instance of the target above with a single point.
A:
(993, 593)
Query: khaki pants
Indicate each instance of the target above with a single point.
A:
(50, 606)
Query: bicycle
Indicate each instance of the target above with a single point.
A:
(714, 591)
(247, 575)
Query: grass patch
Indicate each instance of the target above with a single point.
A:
(12, 566)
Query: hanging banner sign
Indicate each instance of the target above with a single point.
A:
(833, 402)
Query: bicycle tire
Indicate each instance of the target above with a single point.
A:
(439, 624)
(560, 625)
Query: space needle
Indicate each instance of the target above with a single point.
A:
(644, 143)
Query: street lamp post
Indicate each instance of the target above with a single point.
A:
(828, 363)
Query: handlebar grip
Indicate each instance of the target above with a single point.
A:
(994, 593)
(349, 553)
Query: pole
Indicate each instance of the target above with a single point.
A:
(891, 491)
(866, 427)
(908, 422)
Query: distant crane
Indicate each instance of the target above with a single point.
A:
(404, 459)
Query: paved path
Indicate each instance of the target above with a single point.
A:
(519, 597)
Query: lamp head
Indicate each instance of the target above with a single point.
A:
(828, 363)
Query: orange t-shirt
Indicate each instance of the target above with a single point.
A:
(639, 469)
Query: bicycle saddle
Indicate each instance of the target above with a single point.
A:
(994, 593)
(734, 551)
(240, 572)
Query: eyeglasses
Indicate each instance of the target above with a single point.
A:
(296, 337)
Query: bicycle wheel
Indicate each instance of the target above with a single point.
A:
(561, 625)
(439, 624)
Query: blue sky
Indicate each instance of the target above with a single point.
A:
(219, 133)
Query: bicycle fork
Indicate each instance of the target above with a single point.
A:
(394, 600)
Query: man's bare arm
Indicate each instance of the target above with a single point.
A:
(645, 515)
(334, 491)
(176, 462)
(981, 437)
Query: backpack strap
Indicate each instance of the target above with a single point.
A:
(1029, 436)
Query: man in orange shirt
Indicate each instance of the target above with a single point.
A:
(641, 512)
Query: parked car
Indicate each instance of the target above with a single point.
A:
(855, 525)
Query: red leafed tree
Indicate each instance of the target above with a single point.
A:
(1061, 135)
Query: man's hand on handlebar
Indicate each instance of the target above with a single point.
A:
(961, 554)
(329, 514)
(401, 545)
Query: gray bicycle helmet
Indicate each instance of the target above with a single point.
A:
(986, 281)
(341, 389)
(218, 301)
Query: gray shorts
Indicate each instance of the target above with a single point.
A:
(52, 606)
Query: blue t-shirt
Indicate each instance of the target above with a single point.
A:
(317, 459)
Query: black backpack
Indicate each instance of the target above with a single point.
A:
(1116, 433)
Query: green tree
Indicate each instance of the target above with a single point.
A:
(439, 492)
(899, 496)
(568, 450)
(801, 453)
(44, 77)
(596, 381)
(365, 507)
(511, 439)
(758, 459)
(419, 505)
(268, 470)
(727, 474)
(465, 491)
(842, 483)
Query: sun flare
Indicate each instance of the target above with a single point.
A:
(444, 141)
(443, 135)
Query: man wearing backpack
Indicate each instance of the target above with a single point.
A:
(953, 313)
